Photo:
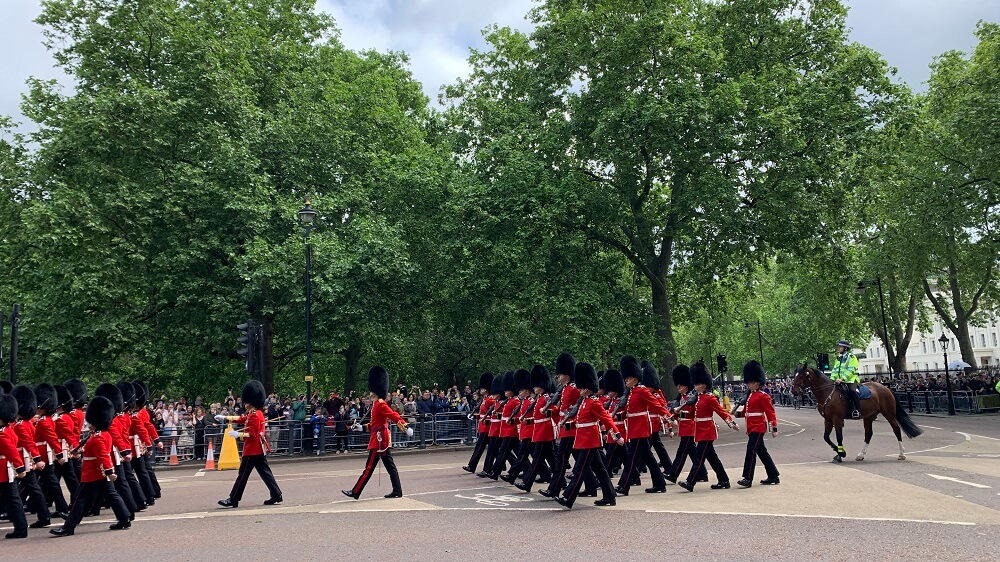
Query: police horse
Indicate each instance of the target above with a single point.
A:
(833, 406)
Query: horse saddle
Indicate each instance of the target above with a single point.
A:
(864, 392)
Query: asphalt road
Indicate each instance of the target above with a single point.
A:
(942, 502)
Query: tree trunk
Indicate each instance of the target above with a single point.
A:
(352, 357)
(267, 346)
(659, 287)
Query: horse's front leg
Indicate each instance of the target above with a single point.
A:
(827, 428)
(841, 453)
(868, 438)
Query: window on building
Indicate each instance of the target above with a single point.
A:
(933, 346)
(982, 340)
(924, 346)
(994, 339)
(953, 343)
(983, 361)
(935, 365)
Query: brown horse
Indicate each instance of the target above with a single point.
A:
(832, 406)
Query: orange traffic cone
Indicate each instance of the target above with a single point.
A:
(210, 460)
(173, 455)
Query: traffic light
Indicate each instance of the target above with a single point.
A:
(720, 362)
(823, 361)
(247, 344)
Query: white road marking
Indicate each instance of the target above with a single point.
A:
(200, 473)
(968, 436)
(790, 515)
(979, 436)
(949, 478)
(932, 427)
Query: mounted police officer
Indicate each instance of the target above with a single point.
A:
(845, 370)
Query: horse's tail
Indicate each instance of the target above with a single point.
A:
(905, 422)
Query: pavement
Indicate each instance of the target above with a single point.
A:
(943, 501)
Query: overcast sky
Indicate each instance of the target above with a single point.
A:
(437, 34)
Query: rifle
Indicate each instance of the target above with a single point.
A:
(571, 413)
(554, 400)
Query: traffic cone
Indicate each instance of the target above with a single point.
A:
(229, 457)
(210, 461)
(173, 455)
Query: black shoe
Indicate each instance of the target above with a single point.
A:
(745, 483)
(564, 502)
(547, 493)
(507, 478)
(150, 502)
(61, 514)
(703, 479)
(120, 526)
(493, 477)
(655, 490)
(140, 507)
(769, 481)
(16, 535)
(157, 496)
(272, 501)
(60, 532)
(40, 524)
(349, 493)
(522, 486)
(483, 474)
(395, 494)
(228, 503)
(607, 502)
(686, 485)
(721, 486)
(671, 480)
(586, 494)
(621, 491)
(468, 469)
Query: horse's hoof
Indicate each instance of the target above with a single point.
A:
(901, 457)
(842, 455)
(837, 458)
(859, 458)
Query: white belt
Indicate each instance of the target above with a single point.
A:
(637, 414)
(703, 419)
(754, 414)
(505, 419)
(588, 424)
(90, 458)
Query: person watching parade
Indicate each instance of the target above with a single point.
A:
(845, 371)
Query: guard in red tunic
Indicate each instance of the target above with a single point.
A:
(760, 416)
(705, 407)
(254, 446)
(523, 418)
(493, 421)
(24, 429)
(614, 388)
(651, 380)
(568, 396)
(543, 431)
(141, 397)
(639, 405)
(121, 450)
(69, 438)
(12, 469)
(78, 389)
(380, 442)
(49, 446)
(98, 472)
(508, 425)
(588, 417)
(684, 413)
(483, 428)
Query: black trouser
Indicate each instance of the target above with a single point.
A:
(36, 499)
(614, 457)
(67, 473)
(247, 464)
(199, 444)
(852, 394)
(124, 489)
(661, 452)
(50, 487)
(638, 454)
(705, 451)
(684, 449)
(505, 456)
(135, 488)
(341, 440)
(86, 500)
(11, 500)
(589, 462)
(523, 459)
(142, 475)
(390, 468)
(151, 474)
(543, 462)
(756, 448)
(482, 440)
(562, 453)
(491, 453)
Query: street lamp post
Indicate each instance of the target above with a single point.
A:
(862, 285)
(760, 341)
(947, 377)
(306, 217)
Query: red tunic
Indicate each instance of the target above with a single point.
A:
(11, 462)
(495, 418)
(25, 433)
(655, 420)
(97, 457)
(508, 425)
(759, 413)
(382, 414)
(81, 422)
(570, 396)
(639, 406)
(612, 407)
(543, 427)
(704, 424)
(66, 432)
(589, 419)
(484, 424)
(685, 417)
(151, 432)
(119, 432)
(253, 426)
(46, 440)
(526, 418)
(137, 431)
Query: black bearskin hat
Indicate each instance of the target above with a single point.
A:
(522, 379)
(613, 382)
(753, 372)
(113, 394)
(378, 381)
(46, 398)
(486, 381)
(566, 365)
(681, 375)
(5, 387)
(496, 387)
(64, 397)
(700, 375)
(508, 382)
(254, 395)
(141, 393)
(540, 378)
(128, 394)
(586, 377)
(8, 408)
(26, 404)
(78, 389)
(100, 412)
(630, 368)
(649, 376)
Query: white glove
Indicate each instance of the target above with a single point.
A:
(357, 427)
(220, 418)
(409, 432)
(234, 434)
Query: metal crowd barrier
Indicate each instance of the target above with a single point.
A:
(928, 402)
